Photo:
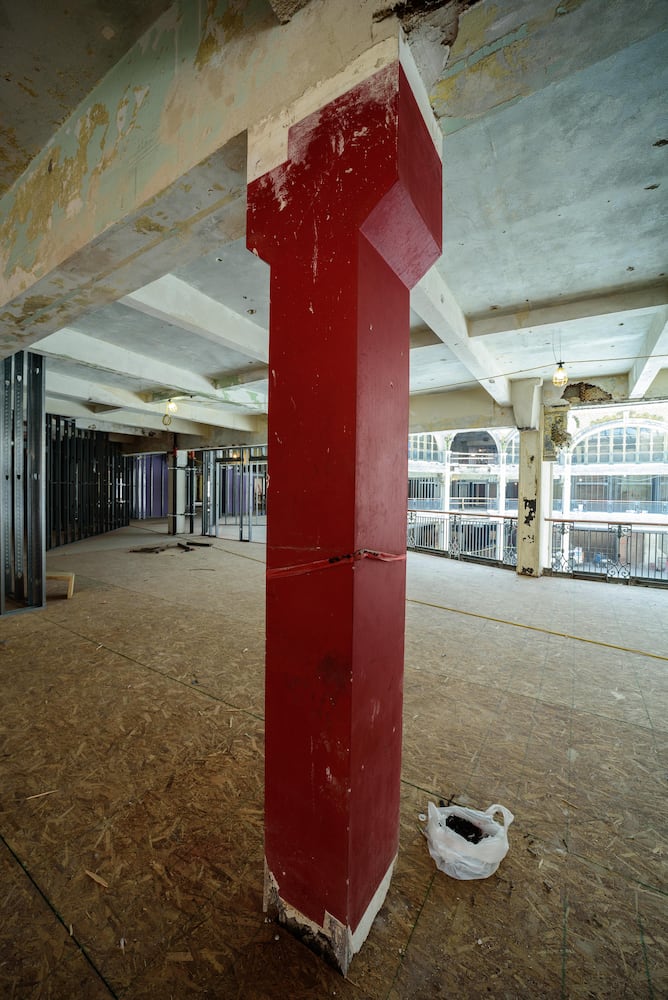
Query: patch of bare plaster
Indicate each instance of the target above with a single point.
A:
(218, 29)
(140, 94)
(127, 110)
(146, 225)
(86, 126)
(73, 208)
(33, 305)
(490, 81)
(121, 114)
(56, 185)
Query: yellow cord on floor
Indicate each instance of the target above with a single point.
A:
(538, 628)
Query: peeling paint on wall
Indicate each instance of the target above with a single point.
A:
(146, 225)
(166, 106)
(504, 52)
(219, 28)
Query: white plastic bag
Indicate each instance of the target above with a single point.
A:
(459, 857)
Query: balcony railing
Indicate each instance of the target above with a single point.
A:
(619, 507)
(609, 549)
(480, 537)
(615, 550)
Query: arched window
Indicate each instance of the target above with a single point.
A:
(622, 444)
(474, 448)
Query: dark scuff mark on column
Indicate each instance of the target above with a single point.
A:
(529, 510)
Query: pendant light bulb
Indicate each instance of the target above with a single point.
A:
(560, 378)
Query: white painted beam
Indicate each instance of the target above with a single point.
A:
(123, 422)
(527, 400)
(610, 304)
(89, 394)
(655, 356)
(174, 301)
(434, 302)
(458, 410)
(251, 397)
(70, 345)
(254, 375)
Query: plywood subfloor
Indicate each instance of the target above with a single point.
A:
(131, 770)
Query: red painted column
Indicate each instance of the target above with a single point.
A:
(348, 224)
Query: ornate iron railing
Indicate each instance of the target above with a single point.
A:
(615, 550)
(478, 536)
(609, 549)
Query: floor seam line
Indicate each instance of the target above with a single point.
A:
(539, 628)
(59, 918)
(196, 688)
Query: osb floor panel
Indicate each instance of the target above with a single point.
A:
(131, 769)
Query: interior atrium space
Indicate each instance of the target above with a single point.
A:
(333, 499)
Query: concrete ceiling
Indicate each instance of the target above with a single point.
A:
(555, 235)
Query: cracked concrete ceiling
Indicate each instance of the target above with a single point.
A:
(555, 180)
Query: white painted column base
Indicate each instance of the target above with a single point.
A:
(333, 940)
(176, 479)
(529, 513)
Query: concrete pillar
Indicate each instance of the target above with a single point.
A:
(566, 479)
(177, 463)
(447, 477)
(545, 510)
(529, 519)
(348, 223)
(500, 533)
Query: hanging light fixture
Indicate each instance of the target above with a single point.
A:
(170, 409)
(560, 378)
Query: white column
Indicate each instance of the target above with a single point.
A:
(178, 461)
(529, 515)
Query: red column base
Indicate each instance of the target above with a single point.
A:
(335, 942)
(348, 224)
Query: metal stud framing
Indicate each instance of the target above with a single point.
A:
(87, 483)
(22, 527)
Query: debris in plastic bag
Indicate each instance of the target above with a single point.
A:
(466, 843)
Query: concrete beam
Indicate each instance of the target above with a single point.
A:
(174, 301)
(114, 399)
(653, 359)
(253, 376)
(250, 397)
(71, 345)
(617, 385)
(433, 301)
(611, 304)
(134, 423)
(203, 208)
(465, 408)
(128, 178)
(527, 398)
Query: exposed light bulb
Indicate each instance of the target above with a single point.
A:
(171, 406)
(560, 378)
